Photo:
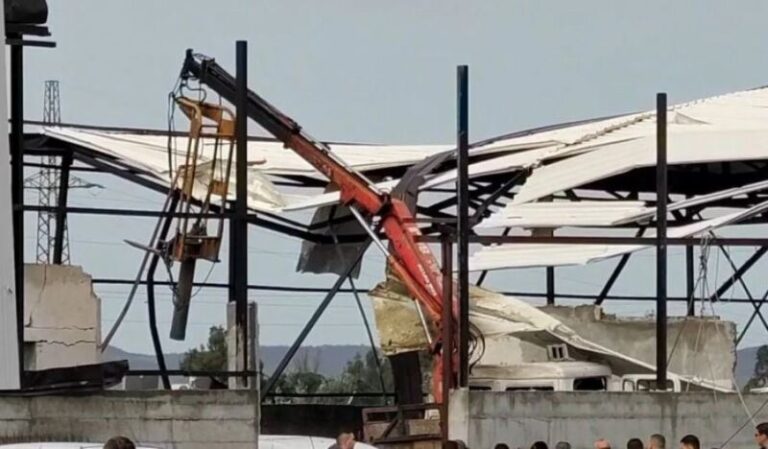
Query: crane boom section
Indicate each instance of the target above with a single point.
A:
(352, 185)
(411, 260)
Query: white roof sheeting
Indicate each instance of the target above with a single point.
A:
(683, 148)
(531, 255)
(597, 213)
(149, 153)
(563, 213)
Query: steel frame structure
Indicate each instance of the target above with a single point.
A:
(473, 200)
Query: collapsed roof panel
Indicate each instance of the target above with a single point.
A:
(685, 147)
(497, 316)
(543, 255)
(598, 213)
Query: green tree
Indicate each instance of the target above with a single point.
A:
(210, 357)
(760, 375)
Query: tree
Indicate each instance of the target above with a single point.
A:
(361, 375)
(210, 357)
(760, 375)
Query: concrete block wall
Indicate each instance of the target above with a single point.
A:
(482, 419)
(62, 317)
(178, 420)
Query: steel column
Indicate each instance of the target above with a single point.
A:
(447, 332)
(550, 286)
(462, 145)
(240, 245)
(17, 188)
(61, 203)
(151, 309)
(661, 241)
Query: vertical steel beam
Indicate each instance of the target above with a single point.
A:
(240, 275)
(151, 308)
(447, 331)
(690, 282)
(550, 286)
(661, 241)
(462, 145)
(17, 187)
(61, 212)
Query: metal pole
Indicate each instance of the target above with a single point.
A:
(448, 332)
(550, 286)
(17, 187)
(661, 241)
(462, 137)
(61, 203)
(240, 274)
(151, 309)
(690, 283)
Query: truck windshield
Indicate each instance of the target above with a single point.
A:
(539, 388)
(589, 384)
(650, 385)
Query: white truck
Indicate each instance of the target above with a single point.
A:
(562, 376)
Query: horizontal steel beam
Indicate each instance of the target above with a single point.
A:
(592, 240)
(283, 288)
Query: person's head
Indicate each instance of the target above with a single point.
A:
(119, 443)
(539, 445)
(602, 443)
(501, 446)
(690, 442)
(761, 434)
(345, 440)
(563, 445)
(635, 443)
(657, 441)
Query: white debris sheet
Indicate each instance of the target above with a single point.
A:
(528, 255)
(266, 160)
(496, 315)
(725, 128)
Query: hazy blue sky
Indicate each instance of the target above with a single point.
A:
(381, 71)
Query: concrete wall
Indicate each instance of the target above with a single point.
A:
(481, 419)
(180, 420)
(703, 347)
(62, 317)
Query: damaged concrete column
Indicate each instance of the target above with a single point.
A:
(235, 357)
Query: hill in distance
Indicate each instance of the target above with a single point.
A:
(331, 359)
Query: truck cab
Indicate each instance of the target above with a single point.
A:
(645, 382)
(544, 376)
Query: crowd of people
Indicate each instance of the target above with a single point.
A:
(656, 441)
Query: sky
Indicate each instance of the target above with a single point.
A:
(369, 71)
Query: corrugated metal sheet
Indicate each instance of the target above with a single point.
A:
(597, 213)
(687, 147)
(563, 213)
(542, 255)
(272, 157)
